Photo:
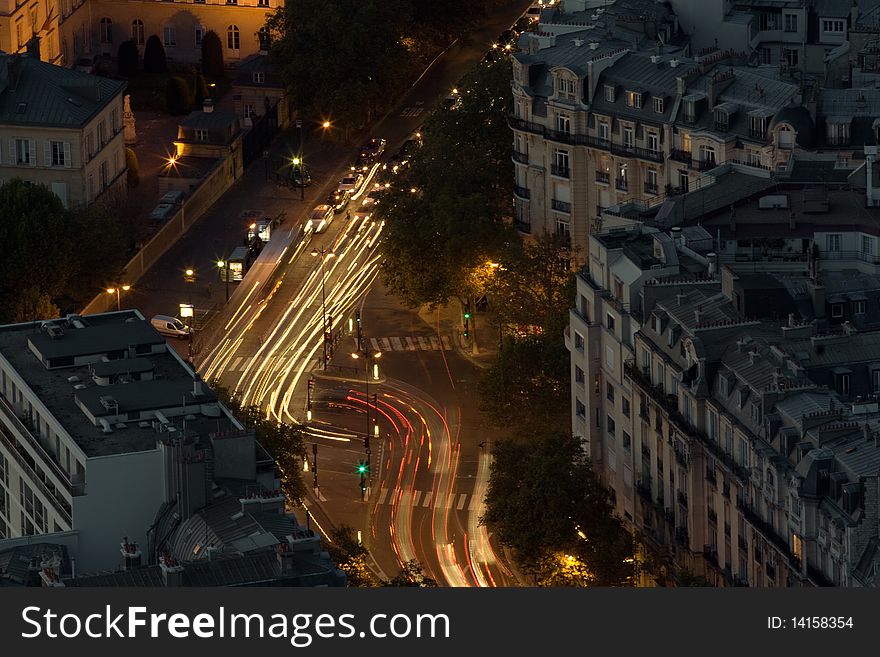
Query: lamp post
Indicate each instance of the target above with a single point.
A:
(370, 356)
(223, 266)
(298, 163)
(324, 253)
(117, 290)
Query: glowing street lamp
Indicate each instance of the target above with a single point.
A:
(117, 291)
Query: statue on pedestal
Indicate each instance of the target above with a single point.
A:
(128, 129)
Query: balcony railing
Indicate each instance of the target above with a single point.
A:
(767, 530)
(562, 172)
(525, 126)
(561, 206)
(680, 156)
(603, 177)
(522, 192)
(522, 158)
(34, 478)
(704, 165)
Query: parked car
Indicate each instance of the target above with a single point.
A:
(351, 183)
(171, 326)
(339, 199)
(174, 197)
(373, 148)
(300, 176)
(320, 218)
(162, 212)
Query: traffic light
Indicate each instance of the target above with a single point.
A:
(362, 468)
(357, 317)
(467, 317)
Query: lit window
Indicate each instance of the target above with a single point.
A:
(233, 37)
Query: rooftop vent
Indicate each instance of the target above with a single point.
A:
(655, 59)
(594, 45)
(80, 386)
(54, 330)
(673, 63)
(773, 202)
(73, 379)
(106, 425)
(109, 403)
(578, 42)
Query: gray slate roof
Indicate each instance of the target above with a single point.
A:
(36, 93)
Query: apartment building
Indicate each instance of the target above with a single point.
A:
(105, 432)
(22, 22)
(61, 128)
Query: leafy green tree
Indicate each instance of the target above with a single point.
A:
(154, 56)
(39, 263)
(177, 96)
(127, 59)
(200, 91)
(412, 575)
(351, 557)
(546, 504)
(212, 55)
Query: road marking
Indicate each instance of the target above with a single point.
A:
(410, 345)
(424, 345)
(382, 496)
(375, 343)
(386, 345)
(416, 496)
(235, 364)
(475, 503)
(461, 500)
(427, 499)
(245, 363)
(447, 344)
(396, 344)
(435, 343)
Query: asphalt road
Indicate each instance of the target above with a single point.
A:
(427, 472)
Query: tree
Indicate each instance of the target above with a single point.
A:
(177, 96)
(133, 177)
(154, 56)
(212, 55)
(411, 575)
(127, 58)
(200, 91)
(546, 504)
(351, 557)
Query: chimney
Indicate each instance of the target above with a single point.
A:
(131, 554)
(713, 264)
(680, 86)
(594, 45)
(285, 554)
(655, 59)
(208, 105)
(33, 48)
(791, 319)
(172, 571)
(675, 232)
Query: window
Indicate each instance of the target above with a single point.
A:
(23, 152)
(604, 131)
(560, 166)
(231, 2)
(728, 439)
(790, 55)
(201, 135)
(106, 30)
(563, 229)
(18, 39)
(690, 111)
(837, 310)
(264, 36)
(742, 457)
(565, 88)
(628, 137)
(832, 242)
(609, 391)
(627, 441)
(233, 37)
(611, 426)
(837, 132)
(105, 177)
(578, 341)
(200, 33)
(859, 307)
(722, 120)
(609, 322)
(250, 110)
(259, 77)
(102, 134)
(835, 26)
(609, 93)
(263, 3)
(843, 384)
(651, 181)
(624, 403)
(579, 375)
(580, 409)
(137, 31)
(658, 104)
(791, 22)
(712, 425)
(170, 35)
(757, 126)
(707, 154)
(634, 99)
(867, 245)
(653, 142)
(59, 153)
(622, 182)
(563, 123)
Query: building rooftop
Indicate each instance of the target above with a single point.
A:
(35, 93)
(105, 377)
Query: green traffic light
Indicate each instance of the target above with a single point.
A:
(362, 469)
(467, 315)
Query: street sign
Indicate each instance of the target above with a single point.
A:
(186, 310)
(299, 123)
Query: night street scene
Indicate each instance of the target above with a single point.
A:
(440, 293)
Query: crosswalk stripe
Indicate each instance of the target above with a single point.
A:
(396, 344)
(427, 499)
(435, 343)
(382, 495)
(235, 363)
(245, 363)
(375, 343)
(424, 345)
(447, 344)
(410, 345)
(386, 344)
(475, 503)
(461, 499)
(416, 496)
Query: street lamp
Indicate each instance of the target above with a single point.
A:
(116, 291)
(370, 356)
(223, 266)
(325, 254)
(298, 163)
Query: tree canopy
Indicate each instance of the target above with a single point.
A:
(351, 557)
(546, 504)
(154, 55)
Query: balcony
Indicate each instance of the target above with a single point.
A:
(603, 177)
(704, 165)
(651, 189)
(710, 554)
(522, 158)
(767, 530)
(682, 498)
(561, 206)
(643, 488)
(681, 156)
(741, 541)
(713, 515)
(525, 126)
(34, 478)
(711, 477)
(621, 185)
(521, 192)
(561, 171)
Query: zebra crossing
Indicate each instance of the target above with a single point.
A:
(412, 343)
(412, 110)
(425, 499)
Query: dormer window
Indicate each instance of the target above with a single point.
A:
(659, 105)
(201, 135)
(259, 77)
(565, 88)
(758, 123)
(609, 93)
(743, 396)
(722, 120)
(634, 99)
(837, 130)
(690, 111)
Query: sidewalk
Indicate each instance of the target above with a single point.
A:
(450, 319)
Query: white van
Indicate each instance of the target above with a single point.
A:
(172, 326)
